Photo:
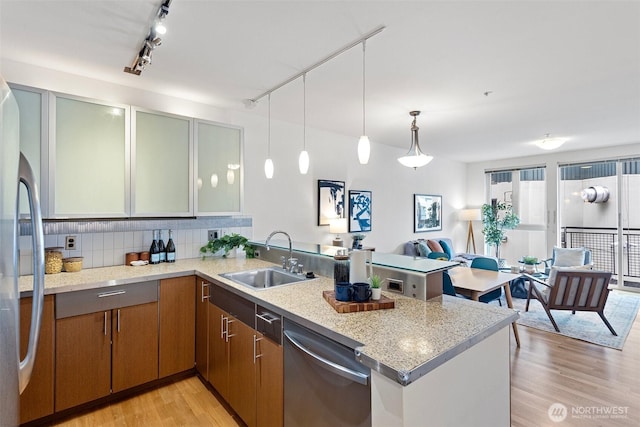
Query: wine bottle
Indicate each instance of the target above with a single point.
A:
(161, 247)
(171, 248)
(154, 250)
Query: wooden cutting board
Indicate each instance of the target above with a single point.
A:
(353, 307)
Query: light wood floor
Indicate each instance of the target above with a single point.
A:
(547, 369)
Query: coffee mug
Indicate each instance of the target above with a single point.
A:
(344, 291)
(361, 292)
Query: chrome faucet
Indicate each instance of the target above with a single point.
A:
(287, 262)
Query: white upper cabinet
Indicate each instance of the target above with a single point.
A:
(219, 170)
(162, 166)
(89, 165)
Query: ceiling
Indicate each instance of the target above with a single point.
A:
(490, 77)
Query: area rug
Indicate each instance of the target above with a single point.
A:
(621, 310)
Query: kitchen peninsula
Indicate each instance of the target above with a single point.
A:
(445, 360)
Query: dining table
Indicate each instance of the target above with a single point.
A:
(475, 282)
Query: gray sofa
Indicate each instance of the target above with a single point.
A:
(420, 248)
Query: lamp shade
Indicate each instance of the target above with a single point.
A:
(338, 225)
(470, 214)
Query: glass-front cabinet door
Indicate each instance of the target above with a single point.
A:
(89, 165)
(219, 172)
(33, 127)
(161, 157)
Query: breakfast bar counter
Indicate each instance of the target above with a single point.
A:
(400, 345)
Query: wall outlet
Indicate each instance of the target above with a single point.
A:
(70, 243)
(214, 234)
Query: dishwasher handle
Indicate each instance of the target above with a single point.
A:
(344, 372)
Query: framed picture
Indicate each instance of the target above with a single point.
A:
(427, 211)
(359, 211)
(330, 201)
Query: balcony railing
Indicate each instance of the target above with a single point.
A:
(603, 243)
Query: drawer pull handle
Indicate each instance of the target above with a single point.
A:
(111, 294)
(264, 317)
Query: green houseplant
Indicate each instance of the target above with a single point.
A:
(497, 218)
(376, 291)
(530, 263)
(227, 243)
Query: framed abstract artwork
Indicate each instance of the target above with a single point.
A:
(359, 211)
(330, 200)
(427, 213)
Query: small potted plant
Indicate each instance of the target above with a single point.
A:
(530, 263)
(226, 246)
(376, 281)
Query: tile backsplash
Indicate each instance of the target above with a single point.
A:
(108, 248)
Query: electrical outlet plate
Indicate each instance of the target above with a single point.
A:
(70, 243)
(214, 234)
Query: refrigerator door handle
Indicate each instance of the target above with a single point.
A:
(27, 178)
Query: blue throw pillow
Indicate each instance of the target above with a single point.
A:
(423, 249)
(446, 247)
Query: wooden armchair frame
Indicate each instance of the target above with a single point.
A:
(575, 290)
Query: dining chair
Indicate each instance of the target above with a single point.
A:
(447, 285)
(486, 263)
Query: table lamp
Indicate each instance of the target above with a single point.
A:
(470, 215)
(338, 226)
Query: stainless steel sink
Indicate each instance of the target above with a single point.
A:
(264, 278)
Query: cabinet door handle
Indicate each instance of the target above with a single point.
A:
(223, 332)
(118, 320)
(111, 294)
(105, 323)
(228, 335)
(255, 349)
(202, 295)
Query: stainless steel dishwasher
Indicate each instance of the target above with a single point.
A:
(323, 383)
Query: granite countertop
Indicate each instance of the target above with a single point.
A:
(402, 343)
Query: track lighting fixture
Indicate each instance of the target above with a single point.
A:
(151, 42)
(364, 147)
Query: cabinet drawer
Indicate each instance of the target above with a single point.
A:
(107, 298)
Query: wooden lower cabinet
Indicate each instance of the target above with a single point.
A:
(177, 325)
(242, 370)
(36, 400)
(83, 359)
(202, 327)
(88, 367)
(269, 383)
(218, 351)
(135, 346)
(246, 369)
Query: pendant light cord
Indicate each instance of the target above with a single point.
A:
(364, 56)
(269, 138)
(304, 111)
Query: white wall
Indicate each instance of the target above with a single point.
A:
(289, 200)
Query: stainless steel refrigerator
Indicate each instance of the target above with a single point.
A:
(15, 171)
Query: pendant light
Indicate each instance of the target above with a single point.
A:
(268, 164)
(303, 160)
(415, 158)
(364, 147)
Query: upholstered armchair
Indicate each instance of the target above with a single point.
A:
(571, 288)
